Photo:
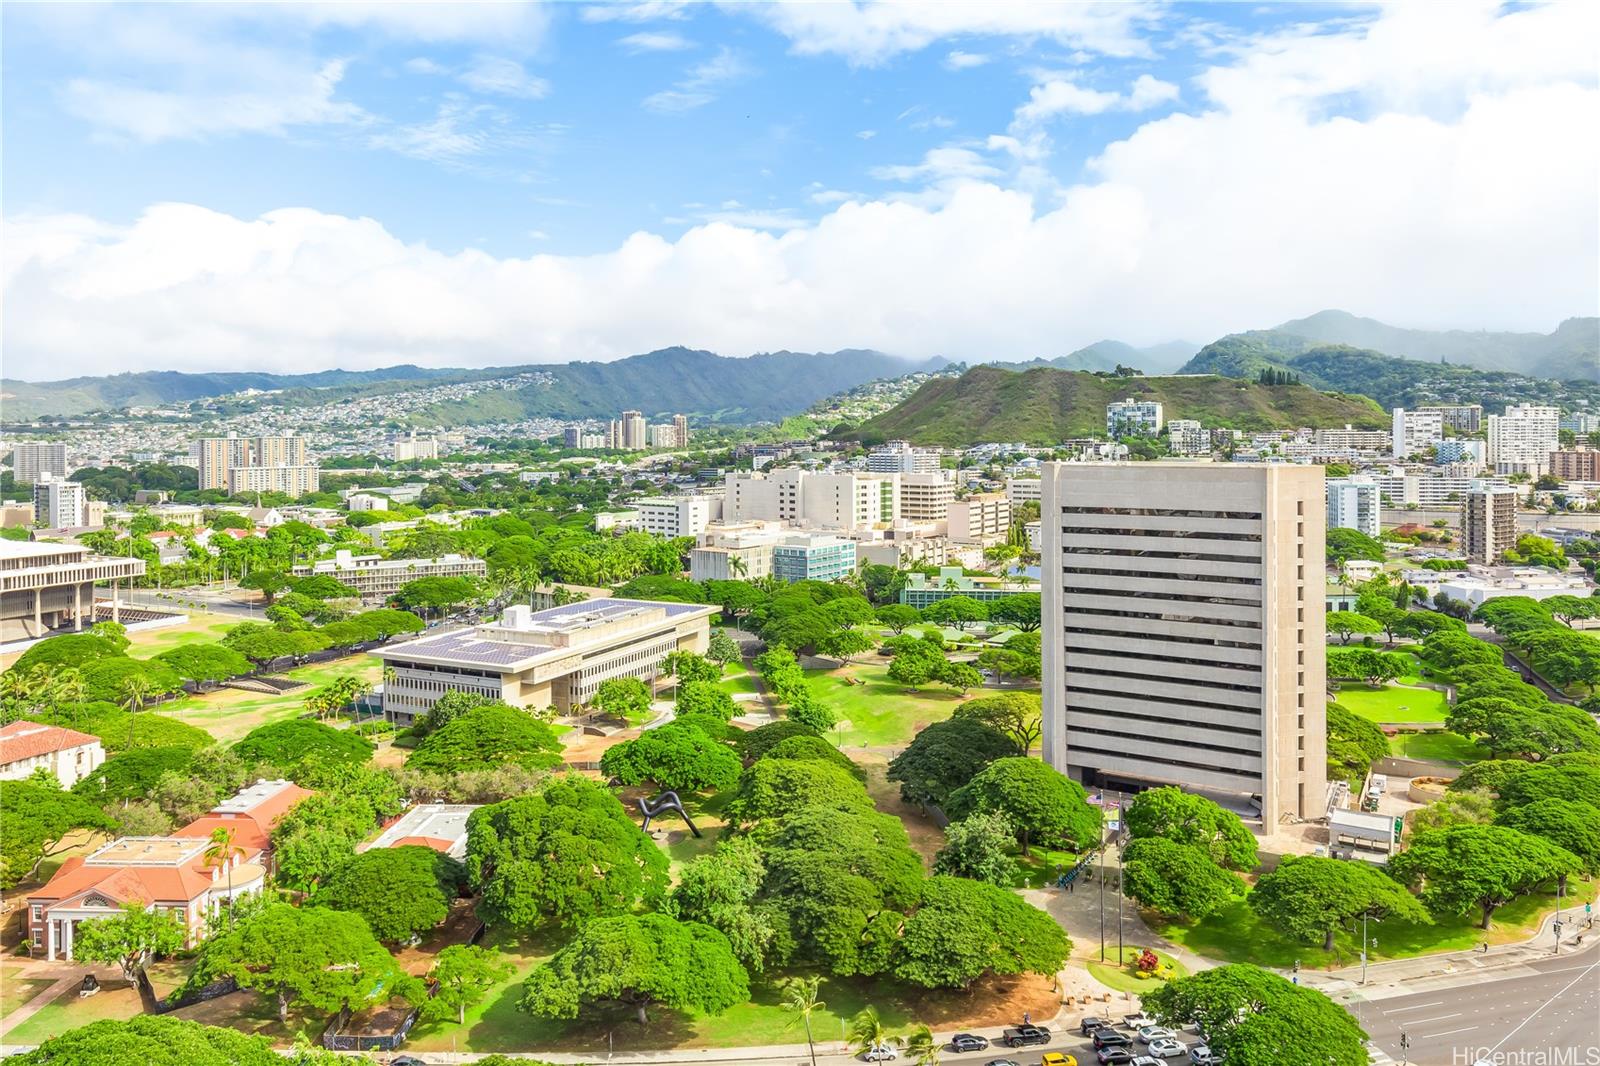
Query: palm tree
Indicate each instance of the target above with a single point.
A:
(738, 568)
(220, 853)
(866, 1031)
(921, 1047)
(800, 997)
(136, 692)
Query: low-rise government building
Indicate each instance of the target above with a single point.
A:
(51, 586)
(376, 578)
(551, 658)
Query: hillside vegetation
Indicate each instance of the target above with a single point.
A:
(1044, 406)
(1391, 381)
(1572, 352)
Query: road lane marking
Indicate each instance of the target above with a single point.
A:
(1542, 1006)
(1448, 1032)
(1440, 1018)
(1418, 1006)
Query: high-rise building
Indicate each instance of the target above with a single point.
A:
(680, 426)
(278, 451)
(218, 455)
(1464, 418)
(634, 430)
(29, 462)
(1576, 464)
(412, 448)
(290, 480)
(1416, 431)
(926, 497)
(1354, 503)
(1133, 416)
(59, 503)
(1580, 422)
(1184, 635)
(813, 557)
(983, 518)
(833, 501)
(1521, 440)
(899, 457)
(1459, 450)
(1488, 523)
(1185, 436)
(678, 516)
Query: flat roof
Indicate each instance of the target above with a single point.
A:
(27, 549)
(147, 851)
(428, 822)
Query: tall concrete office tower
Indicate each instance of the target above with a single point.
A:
(1184, 635)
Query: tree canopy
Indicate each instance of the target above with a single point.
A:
(1482, 866)
(677, 756)
(400, 891)
(1177, 879)
(151, 1038)
(568, 853)
(293, 743)
(1016, 714)
(1042, 803)
(1312, 898)
(962, 930)
(205, 662)
(1255, 1018)
(945, 756)
(1186, 818)
(979, 847)
(486, 736)
(36, 818)
(638, 960)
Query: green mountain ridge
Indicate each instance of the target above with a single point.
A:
(1391, 381)
(1109, 354)
(1045, 406)
(1571, 352)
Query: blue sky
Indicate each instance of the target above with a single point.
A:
(553, 181)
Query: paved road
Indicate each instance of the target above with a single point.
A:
(1547, 1012)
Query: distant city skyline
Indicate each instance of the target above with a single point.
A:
(297, 187)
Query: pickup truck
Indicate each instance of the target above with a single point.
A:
(1025, 1035)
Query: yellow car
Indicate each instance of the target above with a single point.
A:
(1056, 1058)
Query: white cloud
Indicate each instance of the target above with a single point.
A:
(959, 60)
(636, 43)
(423, 65)
(453, 133)
(873, 31)
(1453, 193)
(503, 77)
(700, 85)
(275, 101)
(866, 135)
(1063, 97)
(649, 11)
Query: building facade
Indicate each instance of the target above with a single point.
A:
(921, 591)
(290, 480)
(27, 746)
(982, 518)
(899, 457)
(846, 501)
(376, 578)
(1185, 436)
(59, 504)
(678, 516)
(552, 658)
(1354, 503)
(926, 497)
(29, 462)
(50, 586)
(1521, 440)
(1463, 418)
(269, 464)
(1133, 416)
(1576, 464)
(1184, 635)
(1488, 523)
(813, 557)
(412, 448)
(1414, 432)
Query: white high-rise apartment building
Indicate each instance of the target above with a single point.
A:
(1521, 440)
(831, 501)
(899, 457)
(1416, 431)
(218, 455)
(256, 464)
(1133, 416)
(1185, 436)
(926, 497)
(678, 516)
(1354, 503)
(1184, 635)
(30, 462)
(413, 448)
(1488, 523)
(634, 431)
(1464, 418)
(59, 503)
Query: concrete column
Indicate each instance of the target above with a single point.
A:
(116, 599)
(66, 937)
(77, 607)
(50, 939)
(38, 614)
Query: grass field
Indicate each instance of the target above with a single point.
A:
(1437, 745)
(738, 679)
(1393, 703)
(199, 629)
(228, 714)
(880, 712)
(16, 990)
(1121, 979)
(117, 999)
(1235, 934)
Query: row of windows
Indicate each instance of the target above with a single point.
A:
(429, 668)
(1177, 597)
(1081, 670)
(1165, 638)
(1137, 738)
(1144, 553)
(1145, 697)
(1157, 575)
(1148, 657)
(1158, 512)
(1252, 777)
(1243, 731)
(1160, 534)
(1167, 616)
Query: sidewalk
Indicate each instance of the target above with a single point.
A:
(1398, 977)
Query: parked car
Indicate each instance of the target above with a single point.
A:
(968, 1042)
(1025, 1036)
(1148, 1033)
(1111, 1038)
(1146, 1060)
(1201, 1055)
(1057, 1058)
(1002, 1062)
(880, 1053)
(1166, 1047)
(1114, 1056)
(1089, 1025)
(1138, 1021)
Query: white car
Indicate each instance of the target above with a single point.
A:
(1147, 1033)
(1165, 1047)
(1146, 1060)
(1138, 1021)
(880, 1053)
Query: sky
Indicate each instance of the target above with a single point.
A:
(295, 187)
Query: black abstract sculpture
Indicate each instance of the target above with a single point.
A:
(667, 801)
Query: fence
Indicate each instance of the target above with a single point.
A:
(221, 987)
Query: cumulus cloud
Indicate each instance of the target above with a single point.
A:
(1457, 195)
(1063, 97)
(874, 31)
(636, 43)
(959, 60)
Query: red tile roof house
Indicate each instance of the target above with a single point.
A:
(26, 746)
(165, 873)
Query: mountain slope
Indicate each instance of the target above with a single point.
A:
(1391, 381)
(1572, 351)
(1108, 355)
(1045, 406)
(762, 387)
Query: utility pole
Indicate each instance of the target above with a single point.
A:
(1103, 890)
(1364, 946)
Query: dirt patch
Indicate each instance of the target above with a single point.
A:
(926, 835)
(457, 928)
(997, 1001)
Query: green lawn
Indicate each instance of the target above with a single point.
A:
(200, 629)
(738, 679)
(1436, 745)
(881, 712)
(1042, 866)
(1393, 703)
(1235, 934)
(1122, 979)
(228, 714)
(15, 991)
(116, 999)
